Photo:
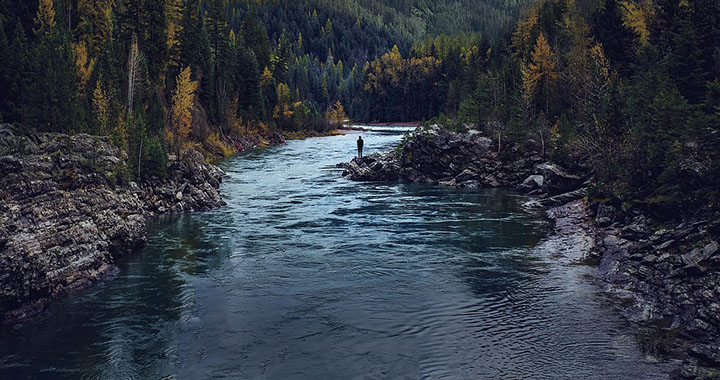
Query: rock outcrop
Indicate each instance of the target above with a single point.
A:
(669, 277)
(67, 213)
(436, 155)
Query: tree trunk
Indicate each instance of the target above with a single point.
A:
(140, 159)
(499, 136)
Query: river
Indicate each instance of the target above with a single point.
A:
(306, 275)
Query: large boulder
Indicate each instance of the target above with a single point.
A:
(375, 167)
(557, 180)
(533, 182)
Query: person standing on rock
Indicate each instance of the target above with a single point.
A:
(360, 144)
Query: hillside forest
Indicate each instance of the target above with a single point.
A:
(626, 89)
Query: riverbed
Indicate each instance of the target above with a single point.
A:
(306, 275)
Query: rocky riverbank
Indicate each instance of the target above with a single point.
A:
(437, 156)
(67, 212)
(666, 276)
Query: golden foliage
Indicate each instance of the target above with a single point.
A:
(637, 17)
(521, 42)
(172, 41)
(83, 63)
(45, 17)
(101, 106)
(283, 109)
(336, 114)
(540, 69)
(215, 145)
(266, 78)
(95, 26)
(180, 112)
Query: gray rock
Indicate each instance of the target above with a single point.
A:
(694, 257)
(666, 244)
(65, 218)
(466, 175)
(557, 180)
(603, 221)
(533, 182)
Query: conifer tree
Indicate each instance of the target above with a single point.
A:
(50, 91)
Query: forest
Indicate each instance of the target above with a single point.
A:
(627, 89)
(159, 76)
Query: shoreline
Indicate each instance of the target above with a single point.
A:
(66, 257)
(68, 213)
(662, 277)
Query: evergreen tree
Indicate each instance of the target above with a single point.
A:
(49, 90)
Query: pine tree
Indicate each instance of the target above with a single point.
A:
(49, 90)
(250, 100)
(255, 38)
(283, 57)
(156, 43)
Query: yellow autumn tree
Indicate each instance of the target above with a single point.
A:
(637, 17)
(101, 106)
(178, 132)
(336, 114)
(173, 15)
(283, 109)
(45, 17)
(521, 41)
(95, 25)
(84, 64)
(540, 71)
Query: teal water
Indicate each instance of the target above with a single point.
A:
(305, 275)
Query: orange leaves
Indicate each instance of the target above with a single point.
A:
(180, 112)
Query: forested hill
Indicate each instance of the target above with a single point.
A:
(418, 19)
(164, 75)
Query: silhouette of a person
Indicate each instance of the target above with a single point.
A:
(360, 144)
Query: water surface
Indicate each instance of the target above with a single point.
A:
(305, 275)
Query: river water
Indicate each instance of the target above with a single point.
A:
(306, 275)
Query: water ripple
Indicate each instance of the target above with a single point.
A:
(306, 275)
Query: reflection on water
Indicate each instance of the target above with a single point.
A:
(307, 275)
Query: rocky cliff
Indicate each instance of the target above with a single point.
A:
(67, 212)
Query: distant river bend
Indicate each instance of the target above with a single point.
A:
(305, 275)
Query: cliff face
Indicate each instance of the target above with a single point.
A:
(67, 213)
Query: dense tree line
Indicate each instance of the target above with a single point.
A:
(629, 89)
